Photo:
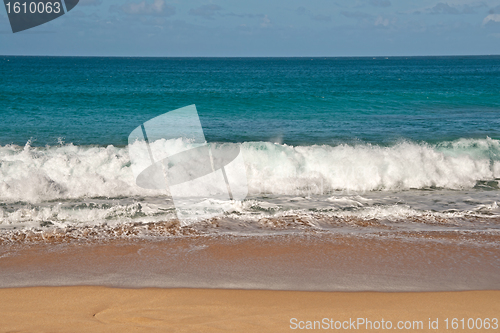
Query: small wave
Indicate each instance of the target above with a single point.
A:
(394, 220)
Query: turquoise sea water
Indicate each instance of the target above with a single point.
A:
(298, 101)
(385, 138)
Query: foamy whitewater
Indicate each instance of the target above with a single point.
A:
(290, 187)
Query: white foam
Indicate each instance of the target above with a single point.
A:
(281, 169)
(66, 172)
(36, 175)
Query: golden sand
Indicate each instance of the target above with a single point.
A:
(101, 309)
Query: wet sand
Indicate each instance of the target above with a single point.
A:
(316, 262)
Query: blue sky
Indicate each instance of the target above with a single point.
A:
(263, 28)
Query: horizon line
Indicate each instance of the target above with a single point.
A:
(314, 57)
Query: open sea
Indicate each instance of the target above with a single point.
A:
(330, 145)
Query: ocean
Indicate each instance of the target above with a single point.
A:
(330, 145)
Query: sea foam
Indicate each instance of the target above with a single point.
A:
(40, 174)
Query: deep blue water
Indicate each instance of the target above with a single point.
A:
(99, 101)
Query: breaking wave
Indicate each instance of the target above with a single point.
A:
(34, 175)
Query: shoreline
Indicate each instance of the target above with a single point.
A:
(251, 284)
(313, 262)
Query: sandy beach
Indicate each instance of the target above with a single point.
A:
(100, 309)
(215, 284)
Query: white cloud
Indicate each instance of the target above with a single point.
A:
(491, 17)
(158, 7)
(265, 22)
(381, 21)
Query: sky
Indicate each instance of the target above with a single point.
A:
(267, 28)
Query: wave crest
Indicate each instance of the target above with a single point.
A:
(62, 172)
